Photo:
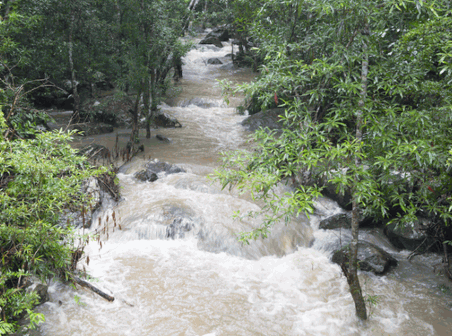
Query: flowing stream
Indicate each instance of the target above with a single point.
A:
(201, 281)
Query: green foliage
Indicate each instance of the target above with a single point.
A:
(39, 179)
(371, 302)
(400, 168)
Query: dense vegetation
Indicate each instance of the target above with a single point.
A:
(366, 86)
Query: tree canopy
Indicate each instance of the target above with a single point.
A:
(366, 87)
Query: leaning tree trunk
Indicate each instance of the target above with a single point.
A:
(76, 111)
(352, 274)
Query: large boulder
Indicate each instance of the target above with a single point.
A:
(371, 258)
(154, 168)
(410, 236)
(212, 40)
(265, 119)
(165, 120)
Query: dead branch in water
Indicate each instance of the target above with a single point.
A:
(96, 290)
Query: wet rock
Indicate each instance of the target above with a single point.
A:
(43, 292)
(410, 236)
(265, 119)
(168, 168)
(214, 61)
(145, 175)
(154, 168)
(342, 220)
(165, 120)
(371, 258)
(212, 40)
(222, 33)
(162, 138)
(41, 289)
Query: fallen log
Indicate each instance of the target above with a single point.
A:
(96, 290)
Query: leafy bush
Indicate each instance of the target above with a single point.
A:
(39, 178)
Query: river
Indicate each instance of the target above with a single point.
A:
(206, 283)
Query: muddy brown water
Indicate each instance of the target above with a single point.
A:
(206, 283)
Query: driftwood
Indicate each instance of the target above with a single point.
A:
(86, 284)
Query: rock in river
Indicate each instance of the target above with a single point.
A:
(154, 168)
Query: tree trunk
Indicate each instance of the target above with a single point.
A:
(352, 275)
(135, 113)
(76, 111)
(147, 109)
(154, 102)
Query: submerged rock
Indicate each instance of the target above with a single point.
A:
(162, 138)
(214, 61)
(371, 258)
(178, 228)
(201, 102)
